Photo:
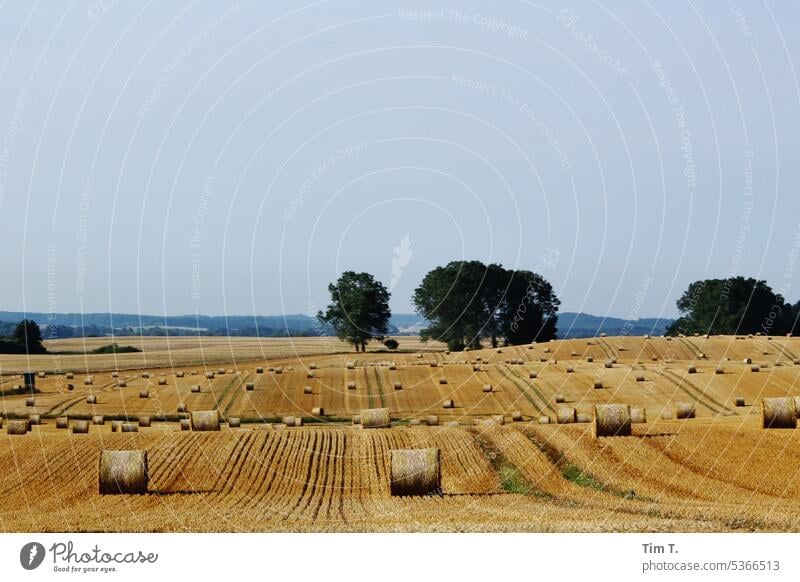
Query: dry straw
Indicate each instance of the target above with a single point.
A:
(778, 413)
(70, 376)
(122, 384)
(62, 422)
(432, 420)
(638, 415)
(351, 385)
(34, 419)
(566, 415)
(17, 427)
(195, 388)
(123, 472)
(88, 381)
(80, 427)
(544, 420)
(375, 418)
(129, 427)
(205, 420)
(98, 419)
(583, 418)
(144, 421)
(357, 419)
(398, 385)
(692, 370)
(487, 387)
(560, 399)
(612, 420)
(186, 424)
(144, 394)
(516, 416)
(210, 375)
(308, 390)
(416, 472)
(179, 374)
(288, 420)
(181, 408)
(30, 402)
(116, 425)
(442, 380)
(448, 404)
(640, 377)
(162, 381)
(91, 399)
(684, 410)
(234, 422)
(318, 411)
(533, 374)
(719, 370)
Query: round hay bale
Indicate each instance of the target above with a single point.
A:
(17, 427)
(570, 369)
(259, 370)
(80, 427)
(287, 421)
(516, 416)
(181, 408)
(351, 365)
(608, 364)
(146, 375)
(34, 419)
(70, 387)
(692, 370)
(598, 385)
(778, 413)
(452, 423)
(122, 384)
(115, 374)
(684, 410)
(62, 422)
(487, 388)
(234, 422)
(434, 364)
(448, 404)
(144, 421)
(432, 420)
(205, 420)
(221, 372)
(357, 419)
(739, 401)
(589, 359)
(442, 380)
(351, 385)
(186, 424)
(476, 367)
(318, 411)
(312, 366)
(195, 388)
(533, 374)
(560, 399)
(91, 399)
(747, 361)
(583, 418)
(612, 420)
(416, 472)
(179, 374)
(162, 381)
(544, 420)
(298, 421)
(375, 418)
(30, 402)
(129, 427)
(796, 362)
(397, 385)
(70, 376)
(638, 415)
(392, 366)
(309, 374)
(640, 377)
(98, 420)
(307, 390)
(210, 375)
(719, 370)
(144, 394)
(123, 472)
(755, 368)
(116, 425)
(666, 415)
(566, 415)
(414, 422)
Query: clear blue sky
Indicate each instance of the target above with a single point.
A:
(234, 158)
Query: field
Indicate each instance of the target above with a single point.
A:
(719, 471)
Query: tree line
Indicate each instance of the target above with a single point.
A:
(468, 303)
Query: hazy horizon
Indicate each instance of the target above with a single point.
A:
(233, 158)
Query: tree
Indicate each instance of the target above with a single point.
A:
(391, 344)
(28, 335)
(359, 309)
(732, 306)
(466, 301)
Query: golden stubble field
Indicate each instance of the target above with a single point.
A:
(719, 471)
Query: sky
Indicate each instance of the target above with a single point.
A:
(234, 158)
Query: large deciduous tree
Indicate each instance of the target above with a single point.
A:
(466, 301)
(359, 309)
(732, 306)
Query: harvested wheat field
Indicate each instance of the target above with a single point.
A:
(301, 455)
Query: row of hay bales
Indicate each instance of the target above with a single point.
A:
(412, 472)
